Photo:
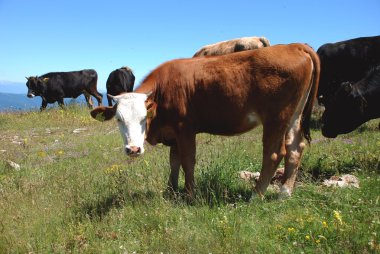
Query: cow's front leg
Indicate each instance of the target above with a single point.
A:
(187, 150)
(109, 100)
(273, 152)
(175, 164)
(43, 105)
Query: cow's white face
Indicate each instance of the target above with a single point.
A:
(131, 118)
(131, 114)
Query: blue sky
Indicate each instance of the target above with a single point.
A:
(40, 36)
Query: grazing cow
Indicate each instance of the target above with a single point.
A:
(224, 95)
(119, 81)
(352, 105)
(231, 46)
(55, 86)
(342, 63)
(346, 61)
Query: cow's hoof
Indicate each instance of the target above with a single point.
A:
(285, 193)
(255, 196)
(171, 194)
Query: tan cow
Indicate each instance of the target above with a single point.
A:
(231, 46)
(224, 95)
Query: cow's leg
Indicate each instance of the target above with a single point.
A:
(294, 148)
(273, 152)
(187, 150)
(61, 103)
(90, 104)
(43, 105)
(175, 164)
(98, 96)
(109, 100)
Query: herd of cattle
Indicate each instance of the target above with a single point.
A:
(228, 88)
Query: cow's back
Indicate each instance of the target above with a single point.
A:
(231, 46)
(229, 94)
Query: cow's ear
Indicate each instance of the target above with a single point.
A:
(45, 80)
(103, 113)
(151, 108)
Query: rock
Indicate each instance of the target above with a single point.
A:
(13, 165)
(248, 176)
(79, 130)
(342, 181)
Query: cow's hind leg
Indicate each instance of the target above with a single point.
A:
(273, 152)
(98, 96)
(88, 98)
(294, 148)
(61, 103)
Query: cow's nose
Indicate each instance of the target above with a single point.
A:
(133, 150)
(30, 95)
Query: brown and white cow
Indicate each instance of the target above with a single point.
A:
(231, 46)
(224, 95)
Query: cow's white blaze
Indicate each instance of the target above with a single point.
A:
(131, 117)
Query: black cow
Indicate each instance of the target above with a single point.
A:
(55, 86)
(348, 82)
(119, 81)
(352, 105)
(346, 61)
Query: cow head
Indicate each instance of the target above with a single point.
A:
(132, 111)
(36, 86)
(343, 112)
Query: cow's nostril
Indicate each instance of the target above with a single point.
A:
(133, 150)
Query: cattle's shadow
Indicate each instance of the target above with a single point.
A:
(100, 208)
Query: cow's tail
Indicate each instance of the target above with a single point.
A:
(306, 114)
(264, 41)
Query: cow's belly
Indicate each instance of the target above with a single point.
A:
(232, 125)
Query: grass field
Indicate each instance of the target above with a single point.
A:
(77, 192)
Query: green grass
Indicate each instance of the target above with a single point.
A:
(79, 193)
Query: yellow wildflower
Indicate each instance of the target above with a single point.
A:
(338, 217)
(41, 154)
(307, 237)
(324, 224)
(291, 230)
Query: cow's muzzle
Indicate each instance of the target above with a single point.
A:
(31, 95)
(328, 133)
(133, 150)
